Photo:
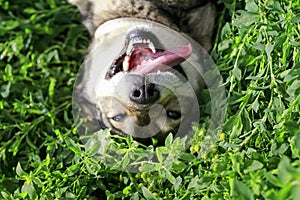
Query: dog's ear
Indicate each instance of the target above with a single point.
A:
(86, 111)
(200, 23)
(82, 5)
(85, 9)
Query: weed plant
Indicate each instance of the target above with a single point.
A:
(255, 154)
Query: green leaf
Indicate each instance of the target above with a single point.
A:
(70, 195)
(21, 195)
(296, 19)
(198, 184)
(8, 196)
(279, 41)
(147, 194)
(126, 161)
(187, 157)
(52, 3)
(269, 49)
(127, 190)
(177, 183)
(5, 89)
(295, 192)
(129, 140)
(291, 74)
(259, 46)
(283, 173)
(73, 146)
(147, 168)
(29, 188)
(237, 73)
(51, 87)
(247, 123)
(29, 10)
(159, 155)
(284, 192)
(73, 169)
(20, 172)
(281, 150)
(169, 176)
(169, 140)
(244, 19)
(9, 25)
(178, 166)
(240, 189)
(278, 7)
(121, 151)
(255, 105)
(234, 126)
(37, 181)
(135, 196)
(255, 165)
(251, 6)
(273, 179)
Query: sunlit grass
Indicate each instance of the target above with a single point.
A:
(255, 156)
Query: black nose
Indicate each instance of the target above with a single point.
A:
(144, 94)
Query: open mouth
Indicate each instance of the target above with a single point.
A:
(142, 55)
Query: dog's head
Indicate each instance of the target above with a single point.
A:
(141, 83)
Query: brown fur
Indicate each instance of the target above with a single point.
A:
(189, 16)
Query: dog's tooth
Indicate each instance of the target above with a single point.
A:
(151, 46)
(126, 63)
(129, 48)
(131, 43)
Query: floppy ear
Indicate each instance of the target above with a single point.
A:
(85, 7)
(82, 5)
(199, 23)
(86, 111)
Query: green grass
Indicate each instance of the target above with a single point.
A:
(254, 156)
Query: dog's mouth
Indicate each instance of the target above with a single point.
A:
(142, 55)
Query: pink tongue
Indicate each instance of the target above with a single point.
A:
(163, 60)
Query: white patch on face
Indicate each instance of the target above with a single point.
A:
(107, 87)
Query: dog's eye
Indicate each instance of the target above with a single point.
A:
(119, 118)
(173, 114)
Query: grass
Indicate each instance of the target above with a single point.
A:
(254, 156)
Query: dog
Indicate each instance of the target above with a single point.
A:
(138, 77)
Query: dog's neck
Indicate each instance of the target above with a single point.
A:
(195, 17)
(96, 14)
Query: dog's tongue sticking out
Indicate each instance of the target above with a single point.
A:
(143, 60)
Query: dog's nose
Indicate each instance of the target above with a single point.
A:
(144, 94)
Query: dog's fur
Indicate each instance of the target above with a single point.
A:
(193, 17)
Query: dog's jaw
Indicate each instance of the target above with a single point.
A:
(143, 53)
